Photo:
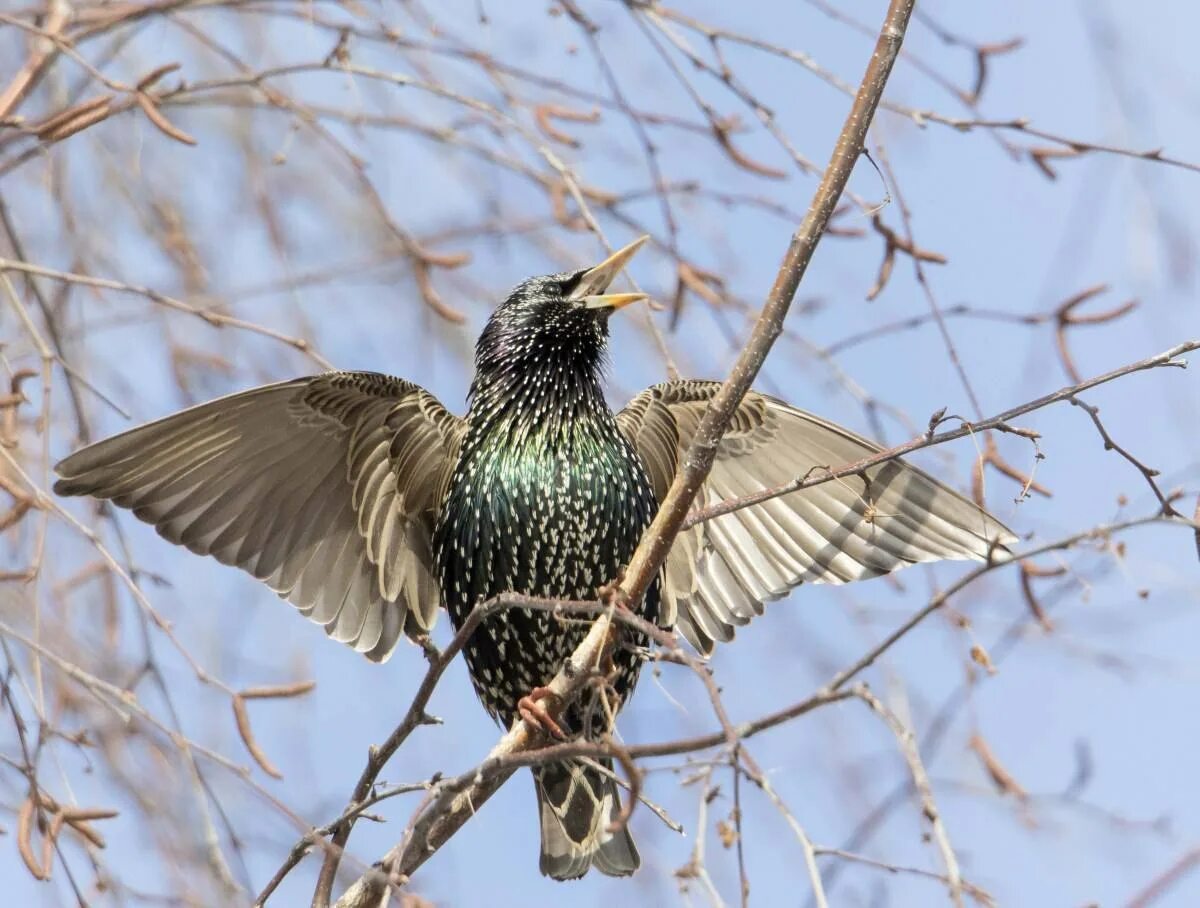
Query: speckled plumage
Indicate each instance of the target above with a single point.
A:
(548, 497)
(361, 500)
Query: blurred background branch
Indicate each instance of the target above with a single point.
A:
(199, 196)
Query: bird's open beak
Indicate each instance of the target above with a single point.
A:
(590, 290)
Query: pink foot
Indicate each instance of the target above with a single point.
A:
(535, 714)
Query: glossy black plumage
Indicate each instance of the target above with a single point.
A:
(548, 497)
(366, 504)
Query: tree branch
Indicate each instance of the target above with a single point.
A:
(999, 422)
(458, 799)
(448, 812)
(696, 463)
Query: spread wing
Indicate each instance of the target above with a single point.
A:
(324, 488)
(720, 572)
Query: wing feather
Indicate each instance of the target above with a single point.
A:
(720, 573)
(325, 488)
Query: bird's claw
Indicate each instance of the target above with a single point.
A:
(535, 714)
(612, 594)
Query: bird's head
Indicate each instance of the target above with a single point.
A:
(555, 323)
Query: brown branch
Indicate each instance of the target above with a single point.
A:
(842, 678)
(1196, 520)
(74, 119)
(991, 456)
(999, 422)
(997, 771)
(1166, 880)
(1148, 473)
(1065, 317)
(38, 867)
(39, 59)
(1028, 571)
(656, 542)
(1065, 147)
(545, 115)
(907, 743)
(435, 827)
(980, 896)
(721, 132)
(242, 717)
(76, 104)
(460, 798)
(150, 108)
(216, 319)
(519, 739)
(378, 756)
(893, 243)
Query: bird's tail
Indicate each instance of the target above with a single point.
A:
(577, 804)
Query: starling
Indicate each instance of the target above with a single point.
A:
(360, 499)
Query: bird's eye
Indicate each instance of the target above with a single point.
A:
(568, 285)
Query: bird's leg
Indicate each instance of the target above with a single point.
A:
(535, 714)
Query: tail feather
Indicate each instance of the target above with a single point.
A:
(577, 804)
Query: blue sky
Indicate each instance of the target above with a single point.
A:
(1112, 688)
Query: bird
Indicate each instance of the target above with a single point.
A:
(364, 502)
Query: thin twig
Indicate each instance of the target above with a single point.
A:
(657, 540)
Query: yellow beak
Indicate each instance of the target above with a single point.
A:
(593, 283)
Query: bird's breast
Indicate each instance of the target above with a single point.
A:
(548, 516)
(546, 520)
